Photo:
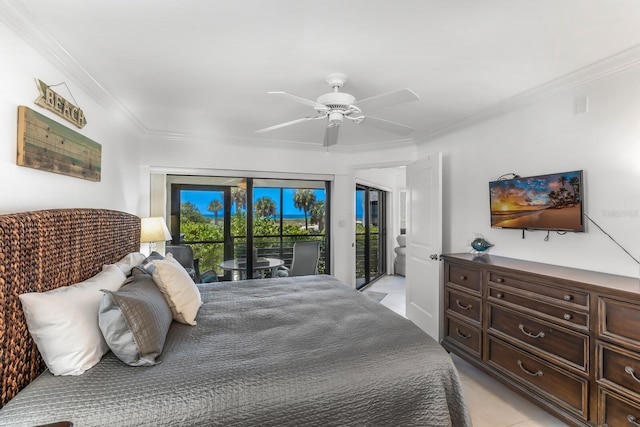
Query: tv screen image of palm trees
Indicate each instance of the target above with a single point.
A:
(543, 202)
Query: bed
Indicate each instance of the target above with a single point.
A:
(271, 352)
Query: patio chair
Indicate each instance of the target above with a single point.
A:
(184, 255)
(305, 260)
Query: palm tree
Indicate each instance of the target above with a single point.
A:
(215, 206)
(562, 180)
(265, 207)
(239, 196)
(574, 182)
(317, 215)
(304, 200)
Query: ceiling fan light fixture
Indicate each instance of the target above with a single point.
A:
(335, 119)
(333, 100)
(336, 105)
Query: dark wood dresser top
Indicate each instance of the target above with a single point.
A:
(554, 272)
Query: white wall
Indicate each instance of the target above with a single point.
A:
(549, 137)
(23, 188)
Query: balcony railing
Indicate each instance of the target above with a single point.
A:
(211, 254)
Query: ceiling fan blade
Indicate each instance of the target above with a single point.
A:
(387, 125)
(387, 99)
(331, 135)
(299, 99)
(292, 122)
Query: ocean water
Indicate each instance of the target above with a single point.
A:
(291, 216)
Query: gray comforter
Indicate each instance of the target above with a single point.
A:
(304, 351)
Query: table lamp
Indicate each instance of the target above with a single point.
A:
(153, 230)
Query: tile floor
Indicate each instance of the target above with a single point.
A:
(491, 404)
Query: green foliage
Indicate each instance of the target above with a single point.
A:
(189, 213)
(265, 226)
(210, 254)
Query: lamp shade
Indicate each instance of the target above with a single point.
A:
(154, 229)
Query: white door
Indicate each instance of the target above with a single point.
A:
(424, 243)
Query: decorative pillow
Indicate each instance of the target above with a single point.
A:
(129, 261)
(146, 266)
(64, 322)
(178, 288)
(135, 320)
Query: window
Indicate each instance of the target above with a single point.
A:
(212, 218)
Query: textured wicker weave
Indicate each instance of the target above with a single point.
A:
(43, 250)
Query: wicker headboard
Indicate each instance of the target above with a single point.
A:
(43, 250)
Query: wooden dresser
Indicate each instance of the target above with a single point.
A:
(567, 339)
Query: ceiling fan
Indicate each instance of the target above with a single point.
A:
(336, 106)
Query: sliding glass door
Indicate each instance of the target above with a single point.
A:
(370, 234)
(222, 219)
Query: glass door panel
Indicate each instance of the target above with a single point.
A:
(370, 240)
(201, 218)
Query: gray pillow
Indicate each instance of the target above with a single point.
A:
(146, 266)
(135, 320)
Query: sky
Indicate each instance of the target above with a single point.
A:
(201, 199)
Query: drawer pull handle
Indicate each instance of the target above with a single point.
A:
(633, 420)
(567, 297)
(499, 280)
(629, 370)
(460, 334)
(528, 372)
(463, 277)
(529, 334)
(567, 316)
(464, 307)
(499, 295)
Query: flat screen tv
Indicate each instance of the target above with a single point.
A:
(544, 202)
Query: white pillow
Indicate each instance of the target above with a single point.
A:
(64, 322)
(129, 261)
(178, 288)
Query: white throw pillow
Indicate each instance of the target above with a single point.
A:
(178, 288)
(64, 322)
(129, 261)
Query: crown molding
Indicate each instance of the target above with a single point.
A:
(626, 60)
(21, 22)
(279, 143)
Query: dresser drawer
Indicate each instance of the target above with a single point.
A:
(619, 369)
(463, 334)
(558, 344)
(556, 385)
(616, 411)
(464, 305)
(563, 315)
(618, 321)
(467, 277)
(543, 291)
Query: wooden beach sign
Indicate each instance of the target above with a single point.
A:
(54, 102)
(47, 145)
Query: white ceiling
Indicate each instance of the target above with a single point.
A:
(204, 67)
